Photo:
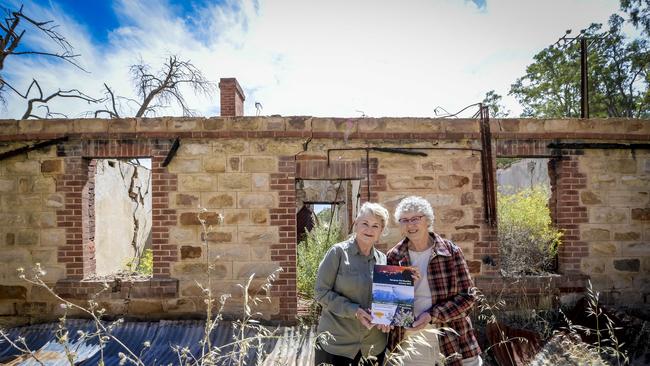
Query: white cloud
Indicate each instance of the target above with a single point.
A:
(323, 58)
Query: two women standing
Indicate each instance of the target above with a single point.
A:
(444, 292)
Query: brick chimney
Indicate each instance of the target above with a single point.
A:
(232, 98)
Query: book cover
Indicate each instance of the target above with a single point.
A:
(393, 296)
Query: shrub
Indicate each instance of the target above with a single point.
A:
(310, 253)
(528, 241)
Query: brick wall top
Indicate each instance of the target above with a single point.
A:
(304, 126)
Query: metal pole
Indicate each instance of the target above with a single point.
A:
(584, 82)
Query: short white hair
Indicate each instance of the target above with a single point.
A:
(415, 204)
(376, 210)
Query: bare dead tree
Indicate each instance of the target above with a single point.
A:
(13, 29)
(41, 98)
(164, 87)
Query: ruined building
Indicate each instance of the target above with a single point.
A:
(259, 171)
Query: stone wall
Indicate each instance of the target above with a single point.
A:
(245, 169)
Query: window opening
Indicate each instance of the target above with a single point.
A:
(120, 217)
(528, 239)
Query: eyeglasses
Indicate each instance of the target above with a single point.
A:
(412, 220)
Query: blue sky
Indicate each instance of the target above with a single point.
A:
(335, 58)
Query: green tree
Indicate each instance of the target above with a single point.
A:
(618, 76)
(493, 101)
(639, 13)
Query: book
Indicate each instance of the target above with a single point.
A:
(393, 295)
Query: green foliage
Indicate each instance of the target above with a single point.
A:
(618, 77)
(639, 13)
(310, 253)
(145, 267)
(503, 163)
(528, 241)
(493, 101)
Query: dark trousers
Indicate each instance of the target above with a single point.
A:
(322, 357)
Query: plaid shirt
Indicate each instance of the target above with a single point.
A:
(452, 296)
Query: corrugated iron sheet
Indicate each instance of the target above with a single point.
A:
(282, 345)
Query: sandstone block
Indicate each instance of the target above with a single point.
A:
(44, 185)
(641, 181)
(192, 218)
(260, 270)
(190, 252)
(196, 182)
(181, 306)
(47, 220)
(53, 237)
(13, 292)
(396, 164)
(218, 200)
(459, 237)
(27, 238)
(90, 125)
(398, 183)
(244, 123)
(437, 200)
(638, 249)
(185, 166)
(625, 236)
(258, 234)
(184, 123)
(641, 214)
(220, 235)
(589, 198)
(152, 124)
(44, 256)
(7, 185)
(228, 252)
(217, 271)
(627, 198)
(594, 265)
(452, 181)
(257, 200)
(259, 164)
(628, 265)
(214, 164)
(234, 164)
(234, 182)
(460, 125)
(122, 125)
(449, 215)
(261, 252)
(259, 216)
(23, 167)
(236, 217)
(277, 147)
(608, 215)
(298, 123)
(214, 123)
(595, 234)
(467, 198)
(603, 248)
(9, 126)
(260, 182)
(145, 307)
(467, 164)
(196, 150)
(433, 166)
(52, 166)
(185, 200)
(230, 147)
(183, 235)
(602, 181)
(55, 200)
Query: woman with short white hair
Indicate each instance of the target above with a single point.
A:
(344, 289)
(444, 291)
